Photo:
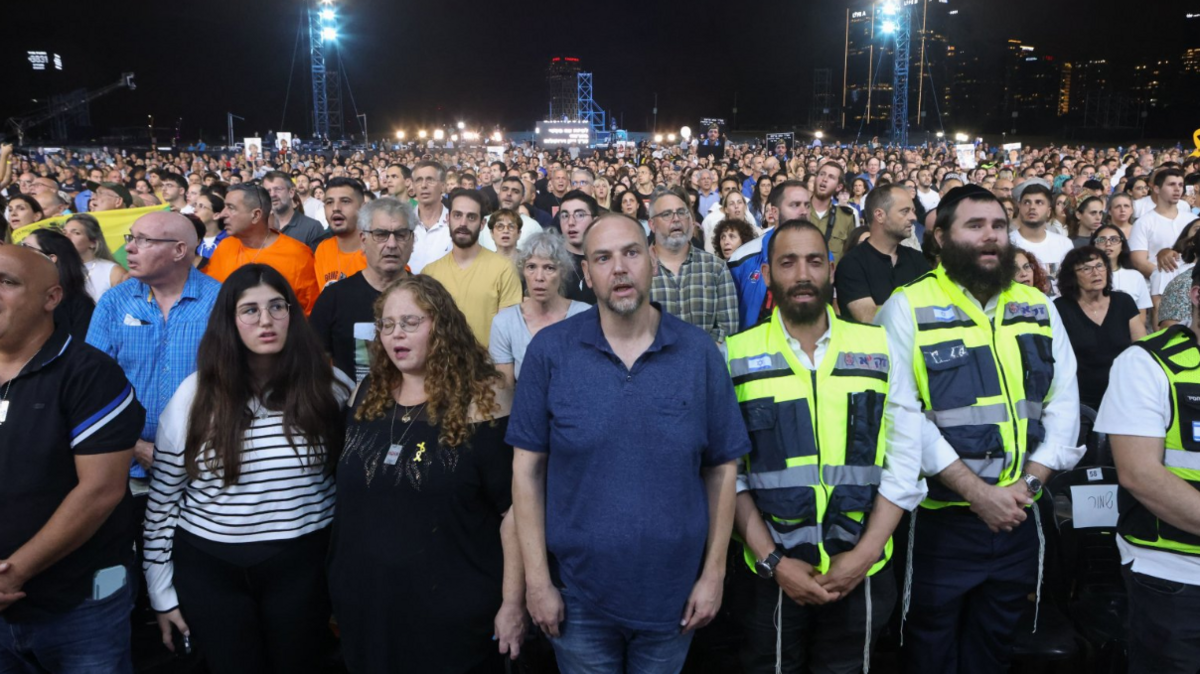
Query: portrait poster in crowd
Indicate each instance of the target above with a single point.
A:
(774, 140)
(966, 155)
(252, 147)
(283, 141)
(711, 141)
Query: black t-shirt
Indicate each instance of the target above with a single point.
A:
(75, 314)
(344, 319)
(70, 400)
(548, 202)
(416, 565)
(577, 287)
(1096, 346)
(866, 272)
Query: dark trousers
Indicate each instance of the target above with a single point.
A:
(268, 617)
(969, 588)
(826, 639)
(1164, 625)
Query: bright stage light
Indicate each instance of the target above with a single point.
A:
(961, 137)
(454, 137)
(497, 137)
(819, 135)
(671, 137)
(658, 138)
(422, 133)
(462, 125)
(889, 26)
(890, 8)
(327, 14)
(941, 134)
(329, 34)
(685, 132)
(438, 134)
(399, 135)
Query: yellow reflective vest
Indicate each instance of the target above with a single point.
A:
(982, 382)
(1176, 351)
(817, 440)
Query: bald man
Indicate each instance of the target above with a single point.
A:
(65, 535)
(155, 342)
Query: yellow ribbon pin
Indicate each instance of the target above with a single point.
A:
(420, 452)
(1196, 140)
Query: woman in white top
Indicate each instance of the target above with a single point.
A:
(545, 265)
(1112, 242)
(1120, 212)
(242, 490)
(733, 207)
(1185, 252)
(102, 271)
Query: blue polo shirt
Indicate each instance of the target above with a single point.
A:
(626, 508)
(156, 354)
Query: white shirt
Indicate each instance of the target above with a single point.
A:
(901, 482)
(1141, 406)
(529, 227)
(1131, 282)
(1142, 206)
(714, 218)
(432, 243)
(315, 210)
(1049, 251)
(910, 427)
(1153, 232)
(930, 199)
(1159, 278)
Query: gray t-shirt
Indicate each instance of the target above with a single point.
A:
(510, 335)
(304, 229)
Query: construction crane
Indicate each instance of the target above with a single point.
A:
(20, 125)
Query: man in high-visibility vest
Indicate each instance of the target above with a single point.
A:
(822, 487)
(983, 378)
(1152, 416)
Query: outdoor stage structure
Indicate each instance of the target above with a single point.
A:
(324, 63)
(573, 107)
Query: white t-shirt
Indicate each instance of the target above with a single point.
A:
(1159, 278)
(1152, 232)
(930, 199)
(1142, 206)
(1141, 405)
(1132, 283)
(1049, 251)
(529, 227)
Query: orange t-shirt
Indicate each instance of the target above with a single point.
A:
(285, 255)
(334, 265)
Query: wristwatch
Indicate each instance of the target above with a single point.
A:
(765, 568)
(1032, 483)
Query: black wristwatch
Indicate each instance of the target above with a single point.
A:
(765, 568)
(1032, 483)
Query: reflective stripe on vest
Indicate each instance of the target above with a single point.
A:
(1176, 351)
(817, 438)
(982, 381)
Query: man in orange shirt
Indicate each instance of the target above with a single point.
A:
(251, 239)
(340, 254)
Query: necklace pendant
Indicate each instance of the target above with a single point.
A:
(3, 411)
(407, 417)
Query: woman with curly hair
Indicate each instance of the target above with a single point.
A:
(1030, 271)
(424, 568)
(729, 235)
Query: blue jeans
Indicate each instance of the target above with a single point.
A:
(92, 638)
(591, 643)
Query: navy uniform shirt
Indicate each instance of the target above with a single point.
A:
(626, 507)
(70, 400)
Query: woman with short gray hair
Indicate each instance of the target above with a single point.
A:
(545, 267)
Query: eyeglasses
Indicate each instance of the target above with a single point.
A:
(141, 241)
(667, 216)
(408, 324)
(1092, 268)
(503, 226)
(580, 183)
(578, 216)
(381, 236)
(1106, 240)
(277, 309)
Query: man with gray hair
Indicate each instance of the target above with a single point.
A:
(344, 316)
(284, 215)
(709, 196)
(690, 283)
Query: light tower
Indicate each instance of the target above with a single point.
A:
(326, 85)
(898, 21)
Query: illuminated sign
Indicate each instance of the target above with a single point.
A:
(857, 15)
(40, 59)
(565, 133)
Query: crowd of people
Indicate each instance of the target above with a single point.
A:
(427, 407)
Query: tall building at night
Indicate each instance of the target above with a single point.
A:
(562, 88)
(868, 62)
(1033, 83)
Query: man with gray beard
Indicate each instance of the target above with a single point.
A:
(689, 283)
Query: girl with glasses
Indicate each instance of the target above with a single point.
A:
(242, 493)
(1125, 278)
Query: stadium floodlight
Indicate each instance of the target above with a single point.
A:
(961, 137)
(462, 125)
(438, 134)
(497, 137)
(671, 137)
(889, 26)
(658, 138)
(537, 129)
(685, 132)
(329, 34)
(890, 8)
(327, 14)
(422, 133)
(454, 137)
(819, 135)
(940, 134)
(399, 135)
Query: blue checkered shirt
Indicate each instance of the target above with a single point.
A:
(156, 354)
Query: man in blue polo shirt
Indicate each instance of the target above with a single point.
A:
(626, 428)
(152, 323)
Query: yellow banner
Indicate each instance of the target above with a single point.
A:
(115, 225)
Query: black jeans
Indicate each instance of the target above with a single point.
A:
(267, 617)
(826, 639)
(1164, 625)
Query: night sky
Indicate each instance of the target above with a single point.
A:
(421, 63)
